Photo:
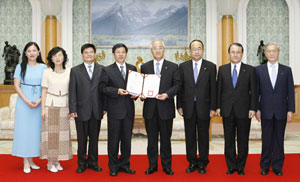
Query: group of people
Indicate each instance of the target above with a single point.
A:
(49, 97)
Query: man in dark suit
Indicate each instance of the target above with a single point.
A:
(86, 106)
(236, 104)
(160, 111)
(120, 111)
(276, 104)
(196, 102)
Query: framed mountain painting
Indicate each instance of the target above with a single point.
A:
(137, 23)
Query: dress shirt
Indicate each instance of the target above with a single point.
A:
(270, 69)
(238, 67)
(87, 68)
(161, 62)
(124, 68)
(198, 66)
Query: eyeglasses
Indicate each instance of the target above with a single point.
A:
(156, 48)
(196, 49)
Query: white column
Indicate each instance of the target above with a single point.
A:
(36, 21)
(67, 29)
(211, 31)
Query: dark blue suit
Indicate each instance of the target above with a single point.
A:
(274, 105)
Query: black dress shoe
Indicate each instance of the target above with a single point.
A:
(230, 171)
(80, 169)
(127, 170)
(241, 172)
(168, 171)
(264, 171)
(202, 170)
(95, 168)
(278, 172)
(150, 170)
(191, 168)
(113, 173)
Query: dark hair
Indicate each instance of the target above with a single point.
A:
(88, 45)
(118, 46)
(54, 51)
(196, 40)
(25, 59)
(236, 44)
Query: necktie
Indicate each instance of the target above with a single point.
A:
(90, 71)
(234, 76)
(196, 72)
(273, 75)
(157, 68)
(195, 76)
(123, 72)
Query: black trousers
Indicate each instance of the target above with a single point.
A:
(233, 127)
(119, 134)
(272, 143)
(197, 128)
(155, 126)
(88, 129)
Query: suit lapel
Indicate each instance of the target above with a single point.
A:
(267, 75)
(227, 73)
(117, 71)
(279, 76)
(164, 68)
(241, 74)
(190, 70)
(203, 69)
(84, 71)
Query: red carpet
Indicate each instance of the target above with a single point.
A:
(11, 169)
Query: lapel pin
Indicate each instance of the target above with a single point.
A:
(244, 70)
(281, 73)
(166, 67)
(204, 68)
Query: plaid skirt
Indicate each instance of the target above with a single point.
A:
(56, 135)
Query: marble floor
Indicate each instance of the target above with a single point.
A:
(139, 144)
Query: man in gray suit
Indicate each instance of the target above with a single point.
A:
(86, 106)
(120, 111)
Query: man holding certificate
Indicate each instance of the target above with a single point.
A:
(196, 102)
(120, 111)
(160, 110)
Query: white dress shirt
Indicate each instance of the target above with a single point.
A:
(87, 68)
(161, 62)
(238, 67)
(199, 63)
(269, 65)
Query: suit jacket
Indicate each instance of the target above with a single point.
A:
(85, 96)
(205, 89)
(169, 83)
(279, 100)
(118, 106)
(242, 98)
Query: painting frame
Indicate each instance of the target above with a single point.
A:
(144, 46)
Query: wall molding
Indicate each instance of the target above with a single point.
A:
(67, 29)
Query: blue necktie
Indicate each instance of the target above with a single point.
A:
(234, 76)
(273, 75)
(90, 71)
(195, 76)
(123, 72)
(157, 68)
(196, 73)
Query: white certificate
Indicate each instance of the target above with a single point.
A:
(134, 83)
(151, 85)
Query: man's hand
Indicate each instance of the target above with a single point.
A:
(122, 92)
(289, 116)
(218, 112)
(258, 115)
(163, 96)
(180, 111)
(251, 114)
(74, 115)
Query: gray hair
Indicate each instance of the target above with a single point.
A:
(272, 44)
(157, 40)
